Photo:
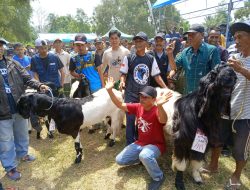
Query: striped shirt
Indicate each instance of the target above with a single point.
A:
(240, 100)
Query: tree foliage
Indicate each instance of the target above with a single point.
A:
(219, 18)
(132, 16)
(243, 13)
(69, 23)
(15, 20)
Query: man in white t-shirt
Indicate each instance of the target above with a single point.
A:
(65, 59)
(113, 57)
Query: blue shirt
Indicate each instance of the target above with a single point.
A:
(47, 68)
(196, 65)
(25, 62)
(4, 73)
(86, 64)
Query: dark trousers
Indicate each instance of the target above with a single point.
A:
(131, 134)
(131, 128)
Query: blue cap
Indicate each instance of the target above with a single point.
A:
(142, 36)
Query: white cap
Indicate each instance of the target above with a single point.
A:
(40, 42)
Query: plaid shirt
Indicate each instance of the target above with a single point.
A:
(197, 65)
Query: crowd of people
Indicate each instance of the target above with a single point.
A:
(136, 67)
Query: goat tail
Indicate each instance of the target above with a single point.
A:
(74, 86)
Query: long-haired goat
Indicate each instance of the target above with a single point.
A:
(200, 111)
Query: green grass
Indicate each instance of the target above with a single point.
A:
(55, 168)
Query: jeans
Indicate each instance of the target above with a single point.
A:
(133, 154)
(131, 132)
(14, 140)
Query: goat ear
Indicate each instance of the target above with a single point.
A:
(206, 100)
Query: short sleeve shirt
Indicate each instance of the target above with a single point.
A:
(150, 130)
(87, 64)
(113, 60)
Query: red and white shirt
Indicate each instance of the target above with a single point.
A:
(150, 130)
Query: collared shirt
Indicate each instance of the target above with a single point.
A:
(240, 100)
(197, 64)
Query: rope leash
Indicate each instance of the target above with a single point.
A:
(52, 96)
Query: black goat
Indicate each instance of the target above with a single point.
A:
(200, 111)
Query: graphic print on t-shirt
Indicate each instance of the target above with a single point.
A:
(116, 62)
(4, 73)
(141, 74)
(143, 125)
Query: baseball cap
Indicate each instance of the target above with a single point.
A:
(80, 39)
(149, 91)
(142, 36)
(40, 42)
(57, 39)
(3, 41)
(240, 26)
(160, 35)
(195, 28)
(98, 40)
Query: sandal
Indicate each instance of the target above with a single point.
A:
(232, 186)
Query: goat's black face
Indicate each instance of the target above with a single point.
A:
(33, 102)
(218, 83)
(225, 81)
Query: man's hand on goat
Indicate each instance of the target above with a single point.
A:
(235, 64)
(110, 83)
(43, 88)
(163, 98)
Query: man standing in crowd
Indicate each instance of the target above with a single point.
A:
(161, 59)
(136, 70)
(113, 57)
(47, 67)
(21, 57)
(198, 59)
(151, 119)
(87, 64)
(214, 39)
(99, 47)
(65, 59)
(240, 100)
(14, 138)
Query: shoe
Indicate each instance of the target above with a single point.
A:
(13, 174)
(226, 152)
(155, 185)
(28, 158)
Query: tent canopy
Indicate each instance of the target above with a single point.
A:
(123, 35)
(66, 38)
(162, 3)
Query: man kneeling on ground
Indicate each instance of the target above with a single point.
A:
(151, 119)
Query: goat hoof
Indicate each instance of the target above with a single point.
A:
(91, 131)
(30, 131)
(107, 136)
(180, 186)
(198, 182)
(78, 160)
(50, 135)
(111, 143)
(38, 136)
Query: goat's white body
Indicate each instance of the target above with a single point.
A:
(74, 86)
(169, 108)
(101, 107)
